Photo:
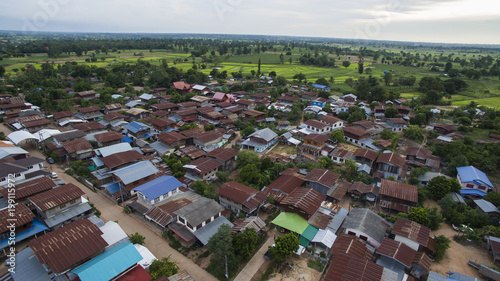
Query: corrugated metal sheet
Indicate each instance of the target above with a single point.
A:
(337, 220)
(29, 269)
(399, 190)
(348, 268)
(351, 245)
(306, 199)
(112, 233)
(251, 222)
(203, 234)
(182, 275)
(323, 177)
(412, 230)
(57, 196)
(398, 251)
(67, 214)
(112, 149)
(368, 222)
(158, 187)
(199, 211)
(136, 171)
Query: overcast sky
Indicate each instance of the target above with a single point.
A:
(448, 21)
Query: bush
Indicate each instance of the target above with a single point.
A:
(136, 238)
(442, 243)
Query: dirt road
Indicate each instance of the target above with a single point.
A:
(111, 212)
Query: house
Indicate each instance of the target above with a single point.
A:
(62, 116)
(137, 113)
(223, 97)
(233, 109)
(359, 189)
(421, 157)
(226, 157)
(68, 136)
(257, 115)
(321, 180)
(158, 190)
(202, 169)
(24, 226)
(349, 267)
(89, 127)
(338, 191)
(321, 87)
(288, 100)
(191, 151)
(260, 140)
(391, 250)
(185, 115)
(187, 105)
(114, 108)
(340, 156)
(366, 225)
(397, 196)
(120, 159)
(241, 224)
(161, 124)
(240, 198)
(89, 113)
(494, 247)
(114, 119)
(126, 178)
(379, 112)
(334, 122)
(62, 205)
(321, 102)
(317, 127)
(365, 156)
(88, 95)
(181, 87)
(355, 135)
(201, 101)
(391, 164)
(444, 129)
(78, 149)
(163, 214)
(37, 125)
(308, 95)
(352, 246)
(413, 235)
(246, 104)
(209, 140)
(82, 241)
(315, 144)
(165, 106)
(303, 201)
(16, 171)
(403, 110)
(283, 186)
(396, 125)
(172, 139)
(137, 129)
(473, 181)
(200, 89)
(28, 188)
(373, 128)
(488, 208)
(350, 98)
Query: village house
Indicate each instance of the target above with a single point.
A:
(89, 127)
(321, 180)
(62, 116)
(113, 108)
(334, 122)
(233, 109)
(88, 95)
(187, 105)
(474, 182)
(226, 157)
(113, 120)
(257, 115)
(161, 124)
(413, 235)
(488, 208)
(303, 201)
(403, 110)
(37, 125)
(366, 225)
(172, 139)
(316, 127)
(185, 115)
(356, 135)
(108, 138)
(397, 254)
(78, 149)
(359, 190)
(89, 113)
(209, 140)
(223, 97)
(21, 169)
(444, 129)
(28, 188)
(421, 157)
(397, 196)
(158, 190)
(164, 106)
(201, 101)
(246, 104)
(137, 129)
(340, 156)
(137, 113)
(212, 117)
(260, 140)
(202, 169)
(365, 156)
(240, 198)
(128, 177)
(316, 145)
(181, 87)
(373, 128)
(191, 151)
(321, 102)
(396, 125)
(391, 164)
(60, 206)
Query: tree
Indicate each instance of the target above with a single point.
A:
(388, 78)
(246, 157)
(442, 243)
(346, 63)
(440, 186)
(163, 267)
(221, 243)
(448, 67)
(414, 132)
(299, 76)
(244, 243)
(2, 70)
(247, 131)
(337, 136)
(418, 215)
(493, 197)
(258, 68)
(360, 68)
(249, 174)
(136, 238)
(284, 246)
(391, 112)
(322, 81)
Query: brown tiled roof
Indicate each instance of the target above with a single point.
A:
(68, 245)
(112, 116)
(399, 190)
(223, 154)
(330, 119)
(171, 137)
(351, 245)
(108, 136)
(397, 250)
(363, 152)
(120, 158)
(412, 230)
(306, 199)
(62, 114)
(317, 138)
(162, 122)
(355, 131)
(30, 187)
(57, 196)
(392, 158)
(242, 194)
(21, 214)
(348, 268)
(322, 176)
(316, 124)
(36, 123)
(204, 165)
(76, 145)
(89, 109)
(89, 126)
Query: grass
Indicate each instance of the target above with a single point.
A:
(315, 264)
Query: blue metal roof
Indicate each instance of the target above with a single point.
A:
(470, 191)
(319, 86)
(112, 187)
(109, 264)
(159, 186)
(127, 139)
(471, 174)
(35, 228)
(135, 126)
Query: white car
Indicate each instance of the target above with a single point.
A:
(54, 175)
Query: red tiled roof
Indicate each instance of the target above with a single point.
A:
(68, 245)
(30, 187)
(349, 268)
(366, 153)
(120, 158)
(76, 145)
(21, 214)
(316, 124)
(399, 190)
(392, 158)
(108, 136)
(56, 196)
(306, 199)
(412, 230)
(322, 176)
(180, 85)
(242, 194)
(397, 250)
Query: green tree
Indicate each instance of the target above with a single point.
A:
(221, 243)
(284, 246)
(346, 63)
(391, 112)
(442, 243)
(387, 78)
(2, 70)
(360, 68)
(163, 267)
(337, 136)
(493, 197)
(136, 238)
(247, 131)
(299, 76)
(249, 174)
(414, 132)
(246, 157)
(440, 186)
(418, 215)
(448, 67)
(244, 243)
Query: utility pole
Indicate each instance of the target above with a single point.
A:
(227, 273)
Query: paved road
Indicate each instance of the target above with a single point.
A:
(256, 261)
(111, 212)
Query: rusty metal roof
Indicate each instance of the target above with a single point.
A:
(306, 199)
(349, 268)
(392, 158)
(22, 215)
(68, 245)
(316, 124)
(120, 158)
(412, 230)
(351, 245)
(242, 194)
(171, 137)
(76, 145)
(89, 109)
(399, 190)
(397, 250)
(223, 154)
(251, 222)
(322, 176)
(203, 165)
(108, 136)
(57, 196)
(283, 186)
(340, 189)
(330, 119)
(423, 260)
(89, 126)
(30, 187)
(366, 153)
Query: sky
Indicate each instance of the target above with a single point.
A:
(443, 21)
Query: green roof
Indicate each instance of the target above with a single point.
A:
(303, 241)
(292, 222)
(310, 232)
